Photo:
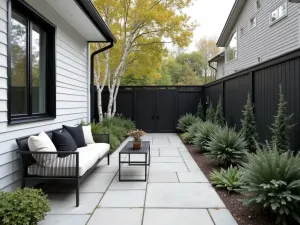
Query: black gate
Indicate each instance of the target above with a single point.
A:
(155, 109)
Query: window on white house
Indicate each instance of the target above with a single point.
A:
(258, 4)
(253, 22)
(232, 48)
(279, 12)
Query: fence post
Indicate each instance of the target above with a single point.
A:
(223, 98)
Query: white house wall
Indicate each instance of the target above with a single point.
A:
(264, 41)
(71, 87)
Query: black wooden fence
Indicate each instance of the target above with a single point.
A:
(155, 109)
(262, 82)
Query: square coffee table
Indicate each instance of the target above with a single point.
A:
(128, 150)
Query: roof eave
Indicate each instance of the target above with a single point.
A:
(217, 57)
(91, 12)
(231, 20)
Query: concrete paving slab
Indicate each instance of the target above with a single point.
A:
(168, 167)
(166, 159)
(113, 216)
(128, 185)
(192, 166)
(192, 177)
(123, 199)
(162, 177)
(63, 203)
(186, 156)
(65, 220)
(177, 217)
(222, 217)
(182, 195)
(169, 153)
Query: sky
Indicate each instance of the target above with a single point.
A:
(211, 16)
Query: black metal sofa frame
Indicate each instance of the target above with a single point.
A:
(27, 160)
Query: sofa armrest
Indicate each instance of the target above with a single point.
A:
(101, 138)
(71, 162)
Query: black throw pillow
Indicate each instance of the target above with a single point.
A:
(77, 134)
(63, 141)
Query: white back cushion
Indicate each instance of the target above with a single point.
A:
(42, 142)
(87, 133)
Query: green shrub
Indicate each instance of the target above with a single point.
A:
(249, 126)
(23, 207)
(200, 111)
(210, 113)
(226, 179)
(281, 127)
(114, 142)
(193, 130)
(226, 147)
(118, 132)
(185, 137)
(204, 134)
(185, 121)
(119, 121)
(219, 118)
(271, 180)
(95, 127)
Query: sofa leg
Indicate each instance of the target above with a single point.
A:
(108, 158)
(77, 193)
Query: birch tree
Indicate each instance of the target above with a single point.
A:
(142, 27)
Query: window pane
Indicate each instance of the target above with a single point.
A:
(274, 15)
(253, 22)
(232, 48)
(38, 70)
(282, 11)
(18, 65)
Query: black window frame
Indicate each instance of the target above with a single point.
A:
(25, 10)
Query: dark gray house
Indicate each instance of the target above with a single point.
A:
(257, 31)
(44, 70)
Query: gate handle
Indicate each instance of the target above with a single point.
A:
(153, 117)
(157, 117)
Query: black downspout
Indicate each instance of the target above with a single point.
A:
(92, 91)
(209, 64)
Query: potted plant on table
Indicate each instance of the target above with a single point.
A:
(137, 138)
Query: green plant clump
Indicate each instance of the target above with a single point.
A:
(219, 118)
(226, 147)
(192, 131)
(204, 134)
(281, 126)
(23, 207)
(119, 121)
(95, 127)
(186, 121)
(200, 111)
(249, 126)
(185, 137)
(226, 179)
(210, 113)
(271, 180)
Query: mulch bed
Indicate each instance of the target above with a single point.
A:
(243, 215)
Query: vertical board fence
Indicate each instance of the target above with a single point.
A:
(154, 109)
(262, 82)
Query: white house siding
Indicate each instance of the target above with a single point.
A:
(264, 41)
(220, 68)
(71, 87)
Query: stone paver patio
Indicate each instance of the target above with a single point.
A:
(176, 193)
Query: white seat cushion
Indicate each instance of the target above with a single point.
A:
(88, 156)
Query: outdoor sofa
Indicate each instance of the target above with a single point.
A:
(72, 166)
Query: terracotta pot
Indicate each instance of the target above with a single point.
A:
(136, 144)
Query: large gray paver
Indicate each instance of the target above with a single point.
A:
(116, 185)
(64, 203)
(163, 177)
(168, 167)
(123, 199)
(97, 182)
(222, 217)
(182, 195)
(166, 159)
(169, 152)
(116, 216)
(177, 217)
(192, 177)
(65, 220)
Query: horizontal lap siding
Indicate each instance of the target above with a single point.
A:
(71, 90)
(264, 41)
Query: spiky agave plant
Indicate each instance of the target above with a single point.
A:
(271, 180)
(226, 179)
(227, 147)
(204, 134)
(192, 131)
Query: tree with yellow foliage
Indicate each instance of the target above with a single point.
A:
(141, 28)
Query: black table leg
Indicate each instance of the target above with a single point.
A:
(145, 166)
